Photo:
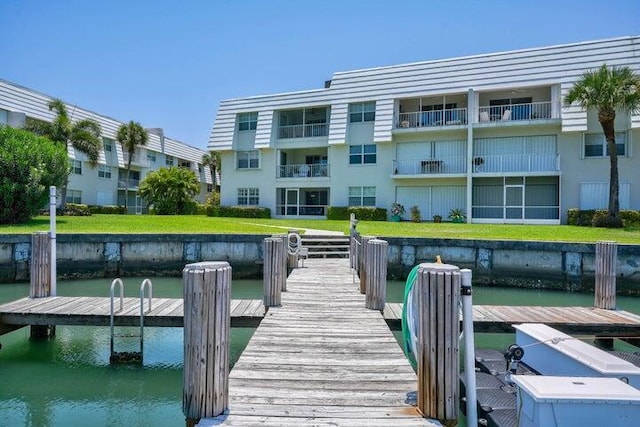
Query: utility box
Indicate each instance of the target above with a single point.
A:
(575, 401)
(551, 352)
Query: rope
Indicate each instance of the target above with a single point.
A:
(294, 243)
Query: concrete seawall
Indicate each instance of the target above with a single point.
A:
(567, 266)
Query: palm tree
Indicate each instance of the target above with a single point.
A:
(130, 136)
(212, 159)
(607, 90)
(83, 135)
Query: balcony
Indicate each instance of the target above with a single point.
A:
(516, 112)
(516, 163)
(303, 131)
(423, 119)
(137, 159)
(433, 166)
(133, 183)
(303, 170)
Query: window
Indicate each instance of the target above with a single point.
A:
(151, 157)
(108, 144)
(104, 172)
(185, 164)
(200, 168)
(595, 145)
(73, 196)
(76, 167)
(362, 196)
(362, 154)
(248, 159)
(248, 196)
(362, 112)
(209, 188)
(169, 161)
(4, 116)
(247, 121)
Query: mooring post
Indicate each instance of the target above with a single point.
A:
(271, 269)
(362, 269)
(376, 284)
(605, 289)
(438, 293)
(40, 279)
(207, 300)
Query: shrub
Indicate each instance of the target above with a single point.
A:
(631, 218)
(107, 209)
(414, 211)
(170, 191)
(591, 217)
(363, 213)
(602, 219)
(239, 211)
(76, 209)
(29, 164)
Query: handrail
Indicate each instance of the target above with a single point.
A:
(112, 295)
(146, 283)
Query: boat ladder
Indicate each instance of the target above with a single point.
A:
(128, 356)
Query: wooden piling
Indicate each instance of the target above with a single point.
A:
(271, 271)
(362, 261)
(40, 279)
(207, 301)
(606, 258)
(438, 292)
(376, 283)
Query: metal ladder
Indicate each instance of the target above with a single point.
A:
(128, 356)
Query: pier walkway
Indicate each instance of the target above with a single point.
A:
(322, 358)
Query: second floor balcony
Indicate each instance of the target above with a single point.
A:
(303, 131)
(128, 183)
(430, 166)
(303, 170)
(505, 163)
(420, 119)
(517, 112)
(137, 159)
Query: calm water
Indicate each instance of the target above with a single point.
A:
(68, 380)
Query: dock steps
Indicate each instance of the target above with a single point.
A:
(326, 246)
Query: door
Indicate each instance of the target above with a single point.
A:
(291, 201)
(514, 203)
(138, 205)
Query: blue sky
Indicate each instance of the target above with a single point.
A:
(169, 63)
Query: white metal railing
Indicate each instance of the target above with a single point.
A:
(513, 112)
(516, 163)
(418, 119)
(133, 183)
(136, 159)
(429, 166)
(303, 171)
(303, 131)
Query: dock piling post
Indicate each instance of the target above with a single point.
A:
(40, 279)
(438, 293)
(362, 268)
(605, 289)
(376, 277)
(271, 269)
(207, 300)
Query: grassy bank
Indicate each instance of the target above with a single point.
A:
(203, 224)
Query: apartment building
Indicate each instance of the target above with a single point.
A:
(487, 134)
(106, 183)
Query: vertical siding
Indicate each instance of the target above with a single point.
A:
(264, 129)
(384, 120)
(338, 123)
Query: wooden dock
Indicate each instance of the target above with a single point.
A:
(322, 358)
(95, 311)
(571, 320)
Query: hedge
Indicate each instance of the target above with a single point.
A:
(107, 209)
(598, 217)
(238, 211)
(363, 213)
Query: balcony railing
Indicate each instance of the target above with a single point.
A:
(516, 163)
(514, 112)
(136, 159)
(303, 171)
(419, 119)
(303, 131)
(133, 183)
(434, 166)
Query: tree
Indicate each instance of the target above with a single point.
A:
(29, 164)
(212, 159)
(170, 190)
(83, 135)
(130, 136)
(607, 90)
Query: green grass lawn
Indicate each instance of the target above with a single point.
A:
(203, 224)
